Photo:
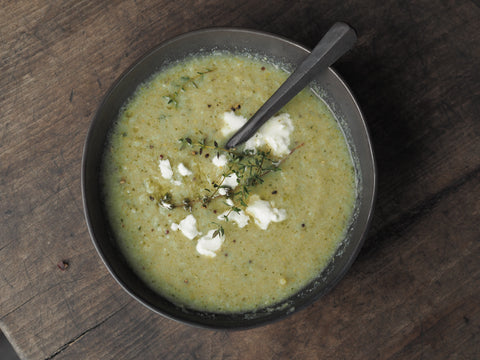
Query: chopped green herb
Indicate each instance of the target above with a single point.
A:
(249, 166)
(185, 82)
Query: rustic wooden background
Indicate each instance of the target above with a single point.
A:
(414, 291)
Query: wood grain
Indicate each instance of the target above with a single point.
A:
(414, 291)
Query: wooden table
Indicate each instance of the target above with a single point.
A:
(414, 291)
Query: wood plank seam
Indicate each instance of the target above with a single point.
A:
(78, 337)
(402, 224)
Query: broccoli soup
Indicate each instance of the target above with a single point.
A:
(226, 230)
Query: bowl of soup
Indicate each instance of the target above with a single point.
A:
(226, 238)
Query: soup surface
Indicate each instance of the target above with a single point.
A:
(226, 231)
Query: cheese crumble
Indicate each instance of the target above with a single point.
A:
(165, 169)
(264, 213)
(187, 226)
(275, 132)
(207, 245)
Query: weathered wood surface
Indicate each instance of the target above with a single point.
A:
(413, 293)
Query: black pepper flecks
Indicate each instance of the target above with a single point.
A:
(236, 107)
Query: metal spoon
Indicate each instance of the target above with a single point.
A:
(336, 42)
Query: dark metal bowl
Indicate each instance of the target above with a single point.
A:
(327, 84)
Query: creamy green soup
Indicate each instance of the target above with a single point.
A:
(226, 231)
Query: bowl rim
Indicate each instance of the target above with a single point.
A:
(89, 136)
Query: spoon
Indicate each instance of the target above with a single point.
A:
(336, 42)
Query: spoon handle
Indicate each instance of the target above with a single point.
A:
(336, 42)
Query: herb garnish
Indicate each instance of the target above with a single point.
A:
(249, 167)
(220, 231)
(185, 82)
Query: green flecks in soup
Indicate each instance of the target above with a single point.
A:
(217, 230)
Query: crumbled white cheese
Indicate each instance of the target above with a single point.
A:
(177, 182)
(237, 217)
(165, 169)
(219, 160)
(207, 245)
(240, 218)
(264, 213)
(231, 181)
(232, 122)
(187, 226)
(275, 133)
(182, 169)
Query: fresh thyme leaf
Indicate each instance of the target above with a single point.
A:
(166, 201)
(167, 197)
(219, 231)
(187, 205)
(249, 166)
(185, 82)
